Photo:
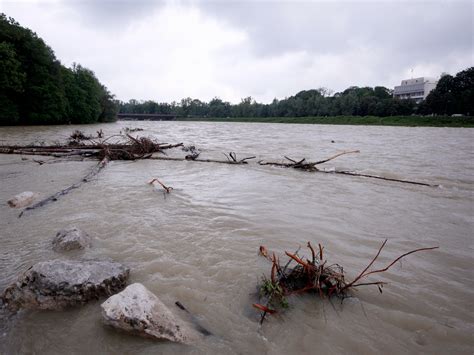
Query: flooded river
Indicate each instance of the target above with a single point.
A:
(199, 244)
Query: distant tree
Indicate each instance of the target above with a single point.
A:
(441, 99)
(382, 93)
(219, 108)
(464, 91)
(109, 107)
(367, 105)
(325, 91)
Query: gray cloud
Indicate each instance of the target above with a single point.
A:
(398, 34)
(113, 15)
(417, 28)
(167, 50)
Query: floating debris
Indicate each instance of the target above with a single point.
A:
(78, 135)
(314, 275)
(166, 188)
(131, 130)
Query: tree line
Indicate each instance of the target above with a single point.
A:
(452, 95)
(35, 88)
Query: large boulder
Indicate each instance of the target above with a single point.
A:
(138, 311)
(57, 284)
(71, 238)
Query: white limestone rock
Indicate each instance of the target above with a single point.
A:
(58, 284)
(24, 199)
(138, 311)
(70, 239)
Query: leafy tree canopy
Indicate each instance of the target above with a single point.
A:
(36, 89)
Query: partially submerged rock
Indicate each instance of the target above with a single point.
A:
(22, 200)
(70, 239)
(138, 311)
(57, 284)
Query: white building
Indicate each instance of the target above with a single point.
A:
(416, 89)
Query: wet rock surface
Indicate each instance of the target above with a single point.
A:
(138, 311)
(23, 199)
(71, 238)
(58, 284)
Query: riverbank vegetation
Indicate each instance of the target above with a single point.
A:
(35, 88)
(454, 95)
(408, 121)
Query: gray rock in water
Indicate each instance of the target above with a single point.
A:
(71, 238)
(22, 200)
(57, 284)
(138, 311)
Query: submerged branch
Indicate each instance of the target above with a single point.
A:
(166, 188)
(343, 172)
(97, 169)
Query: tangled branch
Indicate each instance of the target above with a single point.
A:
(312, 276)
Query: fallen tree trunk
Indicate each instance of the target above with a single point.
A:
(59, 153)
(308, 166)
(6, 149)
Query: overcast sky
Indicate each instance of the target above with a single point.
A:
(168, 50)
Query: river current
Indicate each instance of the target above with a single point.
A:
(199, 244)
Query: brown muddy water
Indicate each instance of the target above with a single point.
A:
(199, 244)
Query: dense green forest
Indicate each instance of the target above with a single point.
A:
(453, 95)
(36, 89)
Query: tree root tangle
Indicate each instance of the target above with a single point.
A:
(312, 275)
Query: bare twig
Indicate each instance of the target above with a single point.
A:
(368, 266)
(232, 159)
(365, 274)
(337, 155)
(167, 188)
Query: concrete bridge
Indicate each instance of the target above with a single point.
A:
(146, 116)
